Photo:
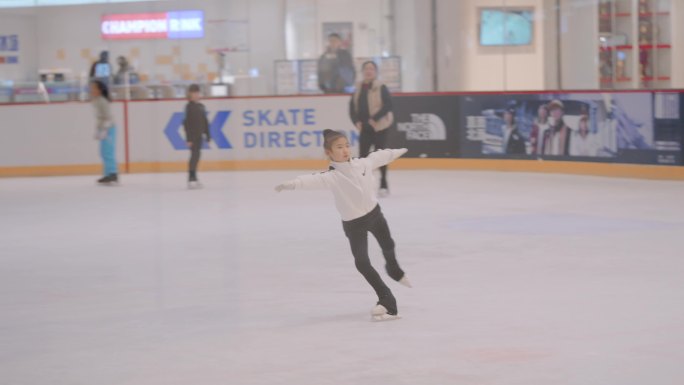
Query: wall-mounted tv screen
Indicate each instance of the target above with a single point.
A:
(506, 26)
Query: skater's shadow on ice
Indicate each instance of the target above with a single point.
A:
(331, 319)
(555, 224)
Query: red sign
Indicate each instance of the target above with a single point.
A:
(167, 25)
(135, 26)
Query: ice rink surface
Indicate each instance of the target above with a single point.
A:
(519, 279)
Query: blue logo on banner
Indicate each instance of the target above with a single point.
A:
(173, 127)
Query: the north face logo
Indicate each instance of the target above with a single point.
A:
(424, 127)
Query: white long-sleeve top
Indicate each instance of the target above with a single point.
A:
(352, 183)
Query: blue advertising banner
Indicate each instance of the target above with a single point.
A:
(625, 127)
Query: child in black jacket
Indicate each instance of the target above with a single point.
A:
(196, 127)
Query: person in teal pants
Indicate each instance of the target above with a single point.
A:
(105, 132)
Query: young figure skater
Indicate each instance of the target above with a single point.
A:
(196, 127)
(353, 186)
(105, 131)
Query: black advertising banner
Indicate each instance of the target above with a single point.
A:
(426, 125)
(624, 127)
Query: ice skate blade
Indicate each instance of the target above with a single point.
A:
(378, 310)
(404, 281)
(384, 317)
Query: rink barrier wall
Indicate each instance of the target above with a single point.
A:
(33, 148)
(307, 165)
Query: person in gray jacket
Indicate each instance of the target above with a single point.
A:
(196, 127)
(105, 131)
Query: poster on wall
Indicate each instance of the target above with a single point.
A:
(9, 49)
(346, 32)
(604, 127)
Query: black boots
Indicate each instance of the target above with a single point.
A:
(111, 178)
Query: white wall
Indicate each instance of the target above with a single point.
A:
(677, 43)
(58, 37)
(451, 42)
(466, 66)
(548, 21)
(413, 42)
(21, 23)
(579, 42)
(69, 37)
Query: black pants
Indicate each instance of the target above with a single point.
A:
(357, 231)
(195, 151)
(378, 140)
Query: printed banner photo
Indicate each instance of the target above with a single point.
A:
(606, 127)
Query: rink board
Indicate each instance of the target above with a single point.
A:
(442, 131)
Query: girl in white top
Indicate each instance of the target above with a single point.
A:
(353, 185)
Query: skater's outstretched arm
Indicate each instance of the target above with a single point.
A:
(319, 181)
(383, 157)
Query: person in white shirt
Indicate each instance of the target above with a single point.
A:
(583, 143)
(353, 185)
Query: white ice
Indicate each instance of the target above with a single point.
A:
(519, 279)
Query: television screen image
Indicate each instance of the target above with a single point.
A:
(502, 26)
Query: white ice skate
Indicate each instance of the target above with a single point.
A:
(194, 185)
(404, 281)
(379, 313)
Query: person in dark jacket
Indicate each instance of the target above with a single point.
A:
(335, 67)
(370, 109)
(513, 141)
(196, 127)
(101, 70)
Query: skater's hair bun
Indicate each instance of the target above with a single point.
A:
(329, 136)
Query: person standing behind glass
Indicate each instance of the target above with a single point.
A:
(101, 70)
(370, 109)
(335, 67)
(125, 69)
